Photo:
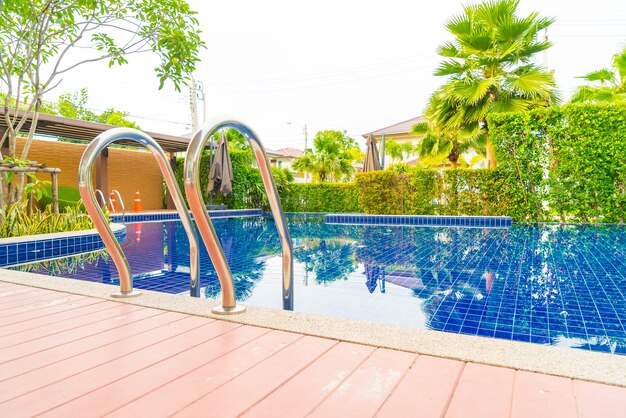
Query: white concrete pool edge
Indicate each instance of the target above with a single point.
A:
(565, 362)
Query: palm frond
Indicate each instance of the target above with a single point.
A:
(449, 67)
(450, 50)
(619, 64)
(603, 75)
(472, 92)
(534, 83)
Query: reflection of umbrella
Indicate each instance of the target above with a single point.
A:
(372, 275)
(372, 160)
(221, 174)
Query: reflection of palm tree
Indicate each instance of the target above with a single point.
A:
(330, 261)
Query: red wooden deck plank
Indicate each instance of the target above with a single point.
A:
(538, 395)
(259, 381)
(91, 378)
(181, 392)
(482, 392)
(132, 324)
(307, 389)
(56, 372)
(120, 392)
(65, 320)
(12, 299)
(79, 356)
(600, 401)
(30, 311)
(362, 394)
(45, 343)
(426, 388)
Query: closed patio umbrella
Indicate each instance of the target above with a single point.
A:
(372, 159)
(221, 173)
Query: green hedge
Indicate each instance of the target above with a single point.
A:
(321, 197)
(68, 197)
(565, 163)
(417, 191)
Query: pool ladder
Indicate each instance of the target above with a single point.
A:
(205, 226)
(86, 189)
(198, 208)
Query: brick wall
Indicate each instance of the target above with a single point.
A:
(129, 170)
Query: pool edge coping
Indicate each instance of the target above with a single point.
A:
(558, 361)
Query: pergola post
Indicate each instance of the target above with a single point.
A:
(170, 202)
(102, 173)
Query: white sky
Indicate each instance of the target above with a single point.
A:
(331, 64)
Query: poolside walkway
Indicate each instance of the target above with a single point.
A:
(69, 355)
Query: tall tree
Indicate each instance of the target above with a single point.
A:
(490, 67)
(608, 85)
(43, 40)
(331, 157)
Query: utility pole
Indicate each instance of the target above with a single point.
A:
(193, 106)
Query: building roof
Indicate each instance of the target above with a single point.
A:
(61, 127)
(291, 152)
(398, 128)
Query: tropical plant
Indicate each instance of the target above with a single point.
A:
(490, 68)
(612, 83)
(15, 222)
(439, 143)
(331, 157)
(398, 151)
(39, 38)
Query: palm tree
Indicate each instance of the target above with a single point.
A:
(398, 151)
(612, 88)
(438, 145)
(490, 68)
(331, 157)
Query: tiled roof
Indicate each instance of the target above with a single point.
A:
(398, 128)
(291, 152)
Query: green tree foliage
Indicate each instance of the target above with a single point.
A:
(73, 105)
(608, 85)
(490, 69)
(331, 157)
(39, 40)
(398, 151)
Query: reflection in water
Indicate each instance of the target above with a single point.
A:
(329, 260)
(541, 283)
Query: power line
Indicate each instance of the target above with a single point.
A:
(332, 73)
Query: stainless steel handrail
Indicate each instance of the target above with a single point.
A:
(205, 226)
(85, 186)
(119, 198)
(99, 193)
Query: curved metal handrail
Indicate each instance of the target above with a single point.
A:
(119, 199)
(99, 193)
(205, 226)
(85, 186)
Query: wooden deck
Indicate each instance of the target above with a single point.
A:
(75, 356)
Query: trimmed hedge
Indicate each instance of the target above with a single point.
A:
(321, 197)
(565, 163)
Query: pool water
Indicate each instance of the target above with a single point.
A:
(546, 284)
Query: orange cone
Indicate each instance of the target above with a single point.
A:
(112, 203)
(137, 207)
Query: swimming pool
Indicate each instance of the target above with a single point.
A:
(546, 284)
